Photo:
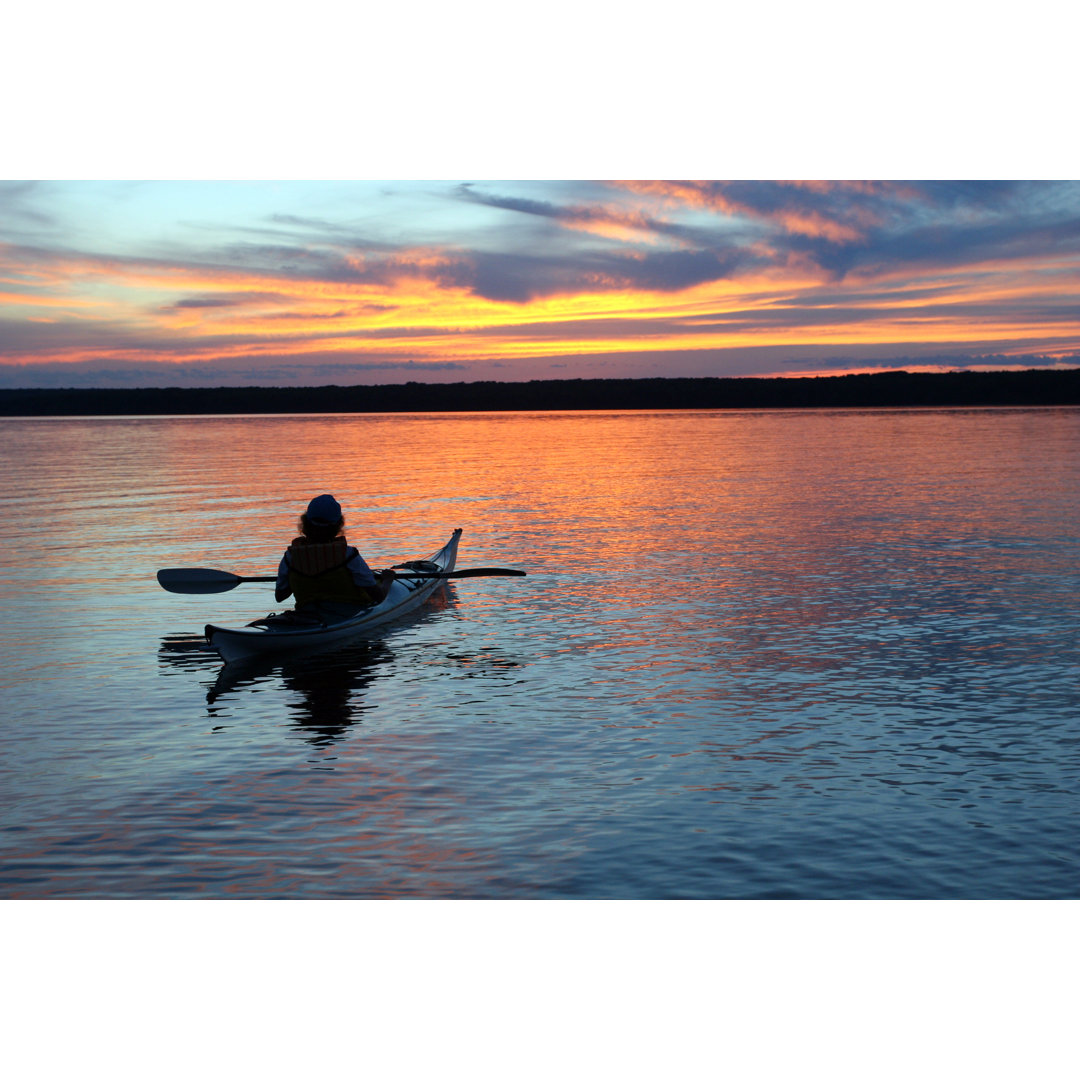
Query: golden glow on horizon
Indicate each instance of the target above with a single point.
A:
(175, 314)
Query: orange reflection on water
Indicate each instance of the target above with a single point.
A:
(750, 605)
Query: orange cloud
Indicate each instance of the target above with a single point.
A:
(801, 222)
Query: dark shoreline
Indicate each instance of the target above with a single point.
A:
(900, 389)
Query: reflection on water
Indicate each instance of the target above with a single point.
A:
(757, 654)
(328, 690)
(325, 690)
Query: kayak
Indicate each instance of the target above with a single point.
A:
(292, 631)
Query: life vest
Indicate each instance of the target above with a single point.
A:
(319, 572)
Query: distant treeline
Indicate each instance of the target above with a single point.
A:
(893, 389)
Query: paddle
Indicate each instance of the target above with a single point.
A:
(198, 580)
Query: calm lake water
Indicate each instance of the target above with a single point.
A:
(758, 654)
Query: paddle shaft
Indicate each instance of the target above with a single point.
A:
(198, 580)
(475, 571)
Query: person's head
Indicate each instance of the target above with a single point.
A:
(323, 520)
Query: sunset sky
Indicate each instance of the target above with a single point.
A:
(240, 197)
(304, 282)
(159, 283)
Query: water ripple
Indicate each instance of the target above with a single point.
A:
(757, 655)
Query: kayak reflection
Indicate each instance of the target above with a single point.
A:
(328, 687)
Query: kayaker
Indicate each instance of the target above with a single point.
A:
(322, 571)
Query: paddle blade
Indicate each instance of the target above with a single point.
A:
(197, 580)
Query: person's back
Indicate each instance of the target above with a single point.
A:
(322, 571)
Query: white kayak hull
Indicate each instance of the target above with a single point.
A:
(264, 638)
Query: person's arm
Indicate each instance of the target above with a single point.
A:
(282, 589)
(361, 572)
